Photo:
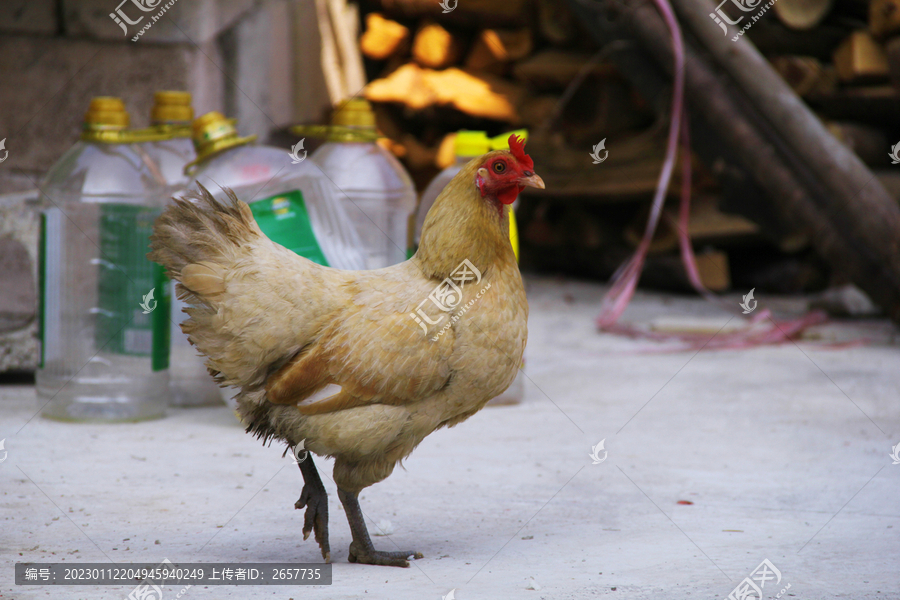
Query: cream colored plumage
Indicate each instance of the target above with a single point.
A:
(334, 357)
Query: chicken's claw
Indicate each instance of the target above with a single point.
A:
(361, 548)
(315, 499)
(372, 556)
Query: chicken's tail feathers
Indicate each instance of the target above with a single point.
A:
(198, 228)
(250, 301)
(199, 239)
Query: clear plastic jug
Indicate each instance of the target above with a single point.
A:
(104, 310)
(375, 189)
(189, 380)
(293, 203)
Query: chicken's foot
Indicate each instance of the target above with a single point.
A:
(361, 549)
(315, 499)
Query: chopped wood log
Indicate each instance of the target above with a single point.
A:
(446, 152)
(667, 272)
(556, 22)
(806, 75)
(494, 49)
(859, 59)
(884, 17)
(419, 88)
(802, 14)
(708, 223)
(554, 69)
(383, 37)
(713, 268)
(892, 50)
(435, 47)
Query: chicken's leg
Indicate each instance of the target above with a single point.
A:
(315, 499)
(361, 549)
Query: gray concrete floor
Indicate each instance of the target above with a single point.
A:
(782, 451)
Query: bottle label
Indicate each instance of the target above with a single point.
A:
(285, 220)
(131, 297)
(161, 320)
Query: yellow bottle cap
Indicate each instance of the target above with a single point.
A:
(352, 121)
(213, 133)
(355, 112)
(171, 107)
(106, 112)
(476, 143)
(105, 120)
(471, 143)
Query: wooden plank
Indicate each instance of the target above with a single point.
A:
(494, 49)
(860, 59)
(383, 37)
(802, 14)
(884, 17)
(478, 96)
(435, 47)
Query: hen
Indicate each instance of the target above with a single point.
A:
(357, 365)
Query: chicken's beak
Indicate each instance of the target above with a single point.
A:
(532, 180)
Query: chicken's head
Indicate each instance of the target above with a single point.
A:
(503, 176)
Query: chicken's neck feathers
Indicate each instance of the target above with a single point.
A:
(463, 225)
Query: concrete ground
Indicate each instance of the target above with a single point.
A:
(716, 461)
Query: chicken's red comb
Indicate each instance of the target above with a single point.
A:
(517, 149)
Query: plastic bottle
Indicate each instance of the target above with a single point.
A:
(293, 203)
(172, 115)
(190, 382)
(468, 145)
(375, 189)
(104, 311)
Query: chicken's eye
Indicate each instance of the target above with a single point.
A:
(499, 167)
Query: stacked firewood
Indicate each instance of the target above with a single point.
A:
(494, 65)
(844, 59)
(499, 65)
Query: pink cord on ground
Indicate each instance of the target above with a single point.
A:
(626, 278)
